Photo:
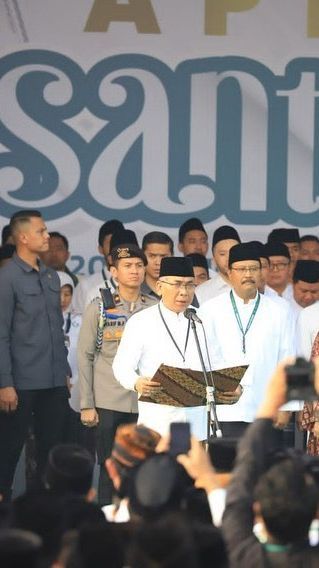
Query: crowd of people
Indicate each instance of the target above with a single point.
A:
(87, 376)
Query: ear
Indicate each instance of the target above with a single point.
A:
(99, 248)
(180, 247)
(113, 473)
(159, 287)
(257, 511)
(113, 272)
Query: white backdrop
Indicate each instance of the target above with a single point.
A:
(153, 111)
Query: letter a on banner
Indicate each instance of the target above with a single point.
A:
(138, 11)
(216, 13)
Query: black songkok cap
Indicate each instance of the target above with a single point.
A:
(260, 248)
(7, 251)
(192, 224)
(284, 236)
(307, 271)
(121, 237)
(225, 232)
(243, 251)
(275, 248)
(198, 260)
(176, 266)
(128, 250)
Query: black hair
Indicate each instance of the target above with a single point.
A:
(108, 228)
(309, 238)
(288, 497)
(57, 235)
(69, 469)
(157, 237)
(21, 217)
(5, 234)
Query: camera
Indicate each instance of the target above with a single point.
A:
(300, 380)
(107, 298)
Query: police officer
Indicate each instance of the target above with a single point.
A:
(104, 402)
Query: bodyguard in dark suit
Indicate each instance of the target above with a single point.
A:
(33, 368)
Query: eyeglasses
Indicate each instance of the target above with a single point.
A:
(243, 269)
(278, 265)
(189, 286)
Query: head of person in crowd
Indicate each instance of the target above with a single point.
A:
(192, 237)
(30, 234)
(309, 248)
(133, 444)
(264, 264)
(279, 266)
(306, 282)
(66, 292)
(19, 548)
(286, 501)
(69, 470)
(58, 254)
(176, 284)
(121, 237)
(105, 234)
(128, 267)
(200, 266)
(158, 471)
(224, 238)
(289, 237)
(93, 546)
(156, 245)
(244, 270)
(167, 542)
(6, 253)
(6, 236)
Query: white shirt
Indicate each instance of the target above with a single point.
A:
(211, 288)
(144, 346)
(71, 343)
(88, 289)
(268, 341)
(307, 329)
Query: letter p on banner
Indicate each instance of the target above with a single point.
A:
(216, 13)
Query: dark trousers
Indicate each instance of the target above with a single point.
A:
(47, 409)
(109, 420)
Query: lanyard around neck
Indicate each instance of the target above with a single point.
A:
(250, 321)
(171, 335)
(67, 324)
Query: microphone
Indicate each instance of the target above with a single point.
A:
(190, 314)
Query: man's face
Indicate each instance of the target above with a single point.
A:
(177, 292)
(221, 254)
(309, 250)
(294, 249)
(154, 253)
(306, 294)
(34, 236)
(279, 271)
(263, 275)
(58, 254)
(244, 276)
(200, 275)
(194, 241)
(129, 272)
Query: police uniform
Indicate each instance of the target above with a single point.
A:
(99, 338)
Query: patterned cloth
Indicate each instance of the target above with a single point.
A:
(310, 411)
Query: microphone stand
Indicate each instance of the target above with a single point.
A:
(210, 392)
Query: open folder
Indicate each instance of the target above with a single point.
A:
(185, 387)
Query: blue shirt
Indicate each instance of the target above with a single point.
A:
(32, 350)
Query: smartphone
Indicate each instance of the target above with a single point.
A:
(180, 438)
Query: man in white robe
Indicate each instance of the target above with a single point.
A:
(161, 334)
(248, 328)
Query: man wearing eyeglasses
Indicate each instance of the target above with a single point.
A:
(249, 328)
(162, 335)
(279, 273)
